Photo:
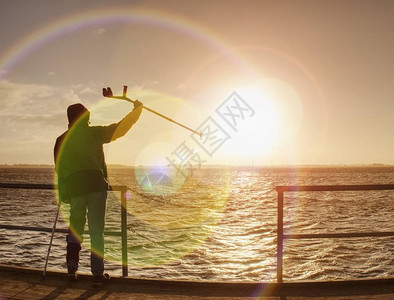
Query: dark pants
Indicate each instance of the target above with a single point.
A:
(94, 205)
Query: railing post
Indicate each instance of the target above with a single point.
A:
(279, 248)
(125, 271)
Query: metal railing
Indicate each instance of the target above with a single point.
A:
(281, 236)
(123, 233)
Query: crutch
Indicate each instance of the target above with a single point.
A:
(50, 243)
(107, 92)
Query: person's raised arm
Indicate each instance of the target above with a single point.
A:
(124, 125)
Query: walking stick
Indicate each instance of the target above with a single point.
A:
(107, 92)
(50, 243)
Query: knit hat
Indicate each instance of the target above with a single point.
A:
(75, 111)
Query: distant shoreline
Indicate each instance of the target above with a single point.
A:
(118, 166)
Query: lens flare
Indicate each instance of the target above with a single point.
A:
(158, 221)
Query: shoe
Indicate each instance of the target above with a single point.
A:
(100, 280)
(73, 277)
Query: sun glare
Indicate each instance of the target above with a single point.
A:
(276, 119)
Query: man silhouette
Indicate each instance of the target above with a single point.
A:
(82, 182)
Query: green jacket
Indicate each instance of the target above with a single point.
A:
(79, 156)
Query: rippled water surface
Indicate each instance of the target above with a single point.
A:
(218, 225)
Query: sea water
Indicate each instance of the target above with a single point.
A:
(220, 224)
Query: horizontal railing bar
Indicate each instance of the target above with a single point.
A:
(38, 186)
(300, 188)
(338, 235)
(44, 229)
(28, 186)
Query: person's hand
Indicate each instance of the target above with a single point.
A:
(137, 103)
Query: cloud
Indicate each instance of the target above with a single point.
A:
(99, 31)
(81, 89)
(31, 117)
(33, 99)
(151, 83)
(181, 86)
(87, 91)
(3, 72)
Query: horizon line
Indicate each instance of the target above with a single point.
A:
(219, 165)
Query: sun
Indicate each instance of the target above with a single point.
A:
(276, 119)
(258, 133)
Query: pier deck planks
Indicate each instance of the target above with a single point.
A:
(24, 283)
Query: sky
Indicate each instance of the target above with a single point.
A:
(267, 82)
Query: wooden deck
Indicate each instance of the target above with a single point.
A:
(22, 283)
